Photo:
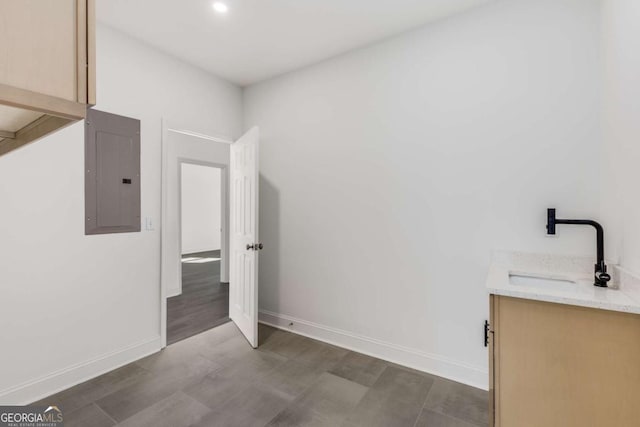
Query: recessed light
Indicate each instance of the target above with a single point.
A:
(220, 7)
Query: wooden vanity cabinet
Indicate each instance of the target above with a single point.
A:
(47, 67)
(562, 365)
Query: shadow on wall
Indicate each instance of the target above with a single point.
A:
(269, 275)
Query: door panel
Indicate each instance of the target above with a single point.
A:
(112, 180)
(116, 156)
(243, 280)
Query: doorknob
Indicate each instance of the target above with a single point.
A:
(250, 247)
(260, 246)
(255, 246)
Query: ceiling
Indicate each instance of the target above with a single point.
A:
(259, 39)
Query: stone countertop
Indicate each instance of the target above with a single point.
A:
(622, 295)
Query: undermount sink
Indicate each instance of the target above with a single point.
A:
(542, 282)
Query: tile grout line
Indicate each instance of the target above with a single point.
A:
(105, 412)
(252, 382)
(424, 404)
(442, 413)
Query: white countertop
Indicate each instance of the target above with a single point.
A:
(622, 295)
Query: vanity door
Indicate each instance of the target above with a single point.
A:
(563, 365)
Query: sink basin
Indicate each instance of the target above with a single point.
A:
(542, 282)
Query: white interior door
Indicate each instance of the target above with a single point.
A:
(244, 244)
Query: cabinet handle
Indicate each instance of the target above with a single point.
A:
(486, 333)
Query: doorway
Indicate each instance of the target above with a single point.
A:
(204, 299)
(239, 165)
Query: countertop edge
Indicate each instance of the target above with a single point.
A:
(563, 300)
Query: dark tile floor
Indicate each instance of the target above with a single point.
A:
(204, 302)
(216, 379)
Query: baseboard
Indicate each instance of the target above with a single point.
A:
(40, 388)
(173, 292)
(411, 358)
(198, 251)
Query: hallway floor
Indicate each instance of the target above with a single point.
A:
(216, 379)
(204, 302)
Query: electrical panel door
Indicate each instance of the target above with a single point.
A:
(112, 185)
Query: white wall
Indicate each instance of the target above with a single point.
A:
(621, 201)
(72, 304)
(389, 174)
(201, 208)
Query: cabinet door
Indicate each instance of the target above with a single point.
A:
(565, 366)
(39, 46)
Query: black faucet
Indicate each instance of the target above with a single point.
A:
(601, 277)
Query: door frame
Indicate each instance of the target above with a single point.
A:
(167, 129)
